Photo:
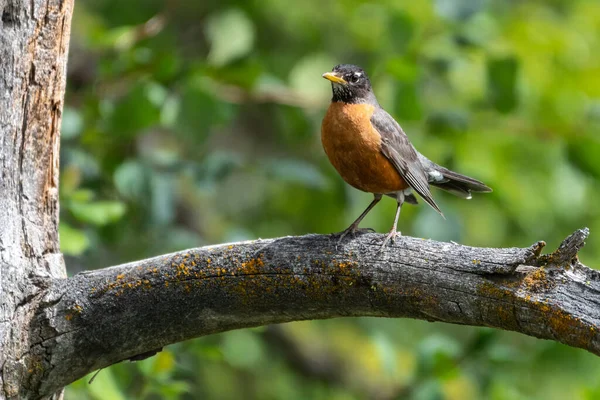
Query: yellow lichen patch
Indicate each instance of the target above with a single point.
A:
(342, 265)
(252, 266)
(182, 270)
(476, 262)
(75, 310)
(565, 326)
(487, 289)
(537, 281)
(562, 325)
(506, 316)
(120, 276)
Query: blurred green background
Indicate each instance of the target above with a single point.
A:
(189, 123)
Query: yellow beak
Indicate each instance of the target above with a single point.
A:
(333, 77)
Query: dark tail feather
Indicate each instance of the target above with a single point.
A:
(455, 183)
(450, 181)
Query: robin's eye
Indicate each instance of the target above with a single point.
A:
(355, 77)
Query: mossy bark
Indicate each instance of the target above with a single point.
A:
(121, 312)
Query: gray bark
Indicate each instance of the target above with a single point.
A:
(54, 330)
(34, 38)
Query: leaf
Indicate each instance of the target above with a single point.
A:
(137, 110)
(105, 386)
(387, 353)
(73, 242)
(408, 106)
(131, 180)
(403, 31)
(428, 390)
(173, 389)
(242, 348)
(197, 111)
(583, 153)
(82, 196)
(217, 166)
(305, 77)
(502, 81)
(163, 198)
(231, 36)
(437, 355)
(163, 362)
(297, 171)
(72, 123)
(98, 212)
(88, 165)
(459, 10)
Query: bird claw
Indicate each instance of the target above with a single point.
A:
(390, 237)
(352, 232)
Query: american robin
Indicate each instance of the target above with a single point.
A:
(371, 152)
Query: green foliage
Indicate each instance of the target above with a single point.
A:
(189, 123)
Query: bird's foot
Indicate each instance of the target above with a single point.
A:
(389, 238)
(352, 231)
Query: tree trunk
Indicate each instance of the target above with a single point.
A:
(54, 330)
(34, 38)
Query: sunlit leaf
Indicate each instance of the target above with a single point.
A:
(98, 212)
(82, 196)
(305, 77)
(231, 35)
(73, 242)
(105, 387)
(163, 362)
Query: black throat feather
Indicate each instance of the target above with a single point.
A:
(353, 95)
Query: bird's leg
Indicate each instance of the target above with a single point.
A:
(393, 233)
(354, 227)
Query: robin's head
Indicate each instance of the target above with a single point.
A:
(350, 84)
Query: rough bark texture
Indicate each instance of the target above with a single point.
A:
(34, 38)
(98, 318)
(54, 330)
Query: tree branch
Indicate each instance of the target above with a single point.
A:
(97, 318)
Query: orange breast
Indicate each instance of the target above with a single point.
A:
(353, 147)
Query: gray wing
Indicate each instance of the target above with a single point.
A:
(398, 149)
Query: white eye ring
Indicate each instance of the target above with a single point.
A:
(355, 77)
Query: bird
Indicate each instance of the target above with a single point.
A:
(371, 152)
